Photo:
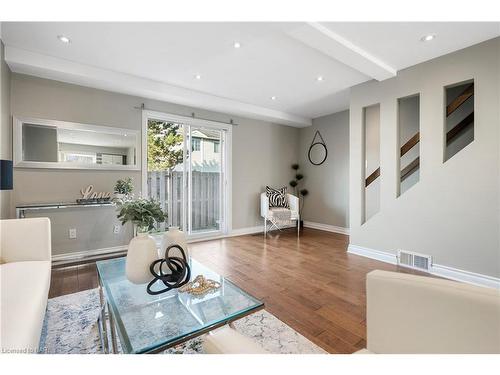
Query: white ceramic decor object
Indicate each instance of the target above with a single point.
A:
(173, 236)
(141, 253)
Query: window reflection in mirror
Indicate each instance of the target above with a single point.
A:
(39, 143)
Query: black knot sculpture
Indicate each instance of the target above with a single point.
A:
(174, 272)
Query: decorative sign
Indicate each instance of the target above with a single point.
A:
(91, 196)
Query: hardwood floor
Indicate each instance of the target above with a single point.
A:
(310, 283)
(72, 279)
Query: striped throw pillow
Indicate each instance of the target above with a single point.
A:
(277, 197)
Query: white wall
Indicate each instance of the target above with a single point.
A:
(328, 183)
(453, 212)
(262, 154)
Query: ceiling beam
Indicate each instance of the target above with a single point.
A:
(323, 39)
(36, 64)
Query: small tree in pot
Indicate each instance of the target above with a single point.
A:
(143, 213)
(123, 188)
(295, 184)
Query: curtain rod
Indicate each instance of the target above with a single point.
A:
(231, 122)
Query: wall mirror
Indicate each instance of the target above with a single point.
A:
(42, 143)
(318, 152)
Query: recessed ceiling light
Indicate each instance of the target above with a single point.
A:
(63, 39)
(198, 76)
(319, 78)
(237, 45)
(273, 97)
(427, 38)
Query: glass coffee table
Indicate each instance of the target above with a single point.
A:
(150, 324)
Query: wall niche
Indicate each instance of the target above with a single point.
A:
(371, 152)
(409, 142)
(459, 117)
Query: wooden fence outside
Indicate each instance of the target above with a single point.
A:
(166, 187)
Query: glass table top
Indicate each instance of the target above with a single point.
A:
(145, 322)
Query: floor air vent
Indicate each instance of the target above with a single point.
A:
(414, 260)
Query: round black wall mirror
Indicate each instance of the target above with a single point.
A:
(317, 151)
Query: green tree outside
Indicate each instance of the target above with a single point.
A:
(165, 149)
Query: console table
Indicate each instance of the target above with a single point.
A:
(21, 210)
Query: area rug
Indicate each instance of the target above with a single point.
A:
(70, 327)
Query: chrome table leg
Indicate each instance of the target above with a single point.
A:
(104, 332)
(113, 331)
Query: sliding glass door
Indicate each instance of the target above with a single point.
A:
(165, 169)
(186, 173)
(205, 179)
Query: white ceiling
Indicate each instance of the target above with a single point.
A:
(399, 44)
(161, 60)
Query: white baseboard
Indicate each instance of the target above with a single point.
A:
(465, 276)
(307, 224)
(436, 269)
(326, 227)
(253, 230)
(80, 255)
(247, 230)
(373, 254)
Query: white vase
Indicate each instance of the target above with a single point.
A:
(141, 253)
(173, 236)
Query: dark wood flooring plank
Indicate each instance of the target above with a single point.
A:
(69, 280)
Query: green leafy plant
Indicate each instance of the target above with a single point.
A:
(145, 213)
(124, 186)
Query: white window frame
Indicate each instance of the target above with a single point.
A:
(226, 167)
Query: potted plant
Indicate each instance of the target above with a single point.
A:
(123, 188)
(295, 184)
(144, 214)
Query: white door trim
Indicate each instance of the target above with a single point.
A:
(227, 163)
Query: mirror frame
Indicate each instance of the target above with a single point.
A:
(18, 145)
(310, 149)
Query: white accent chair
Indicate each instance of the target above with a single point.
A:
(409, 314)
(25, 257)
(267, 213)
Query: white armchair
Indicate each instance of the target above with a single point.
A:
(267, 213)
(410, 314)
(25, 257)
